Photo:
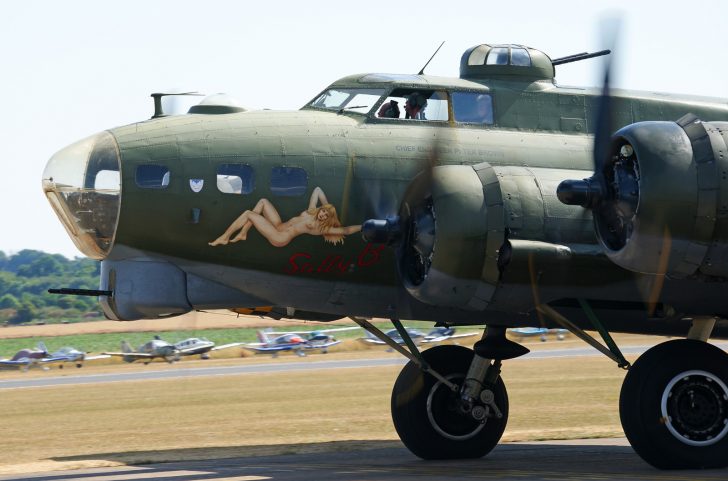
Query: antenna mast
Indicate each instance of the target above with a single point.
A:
(422, 70)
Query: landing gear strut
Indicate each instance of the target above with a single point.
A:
(461, 410)
(432, 420)
(674, 399)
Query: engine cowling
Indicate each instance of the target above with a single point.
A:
(665, 208)
(458, 223)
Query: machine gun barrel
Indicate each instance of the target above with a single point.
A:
(80, 292)
(579, 56)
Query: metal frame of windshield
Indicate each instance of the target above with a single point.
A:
(309, 105)
(371, 114)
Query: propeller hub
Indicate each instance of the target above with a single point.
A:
(586, 193)
(382, 231)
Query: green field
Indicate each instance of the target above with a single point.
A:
(112, 341)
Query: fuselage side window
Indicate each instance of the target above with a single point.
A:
(152, 176)
(415, 104)
(288, 181)
(235, 178)
(472, 107)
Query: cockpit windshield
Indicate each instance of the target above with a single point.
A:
(348, 99)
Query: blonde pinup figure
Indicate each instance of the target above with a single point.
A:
(265, 218)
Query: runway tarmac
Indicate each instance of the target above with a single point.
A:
(602, 459)
(182, 371)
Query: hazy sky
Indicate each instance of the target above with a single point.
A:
(73, 68)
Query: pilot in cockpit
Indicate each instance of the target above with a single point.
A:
(415, 106)
(389, 110)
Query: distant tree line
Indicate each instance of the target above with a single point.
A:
(25, 278)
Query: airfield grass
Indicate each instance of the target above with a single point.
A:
(138, 422)
(111, 341)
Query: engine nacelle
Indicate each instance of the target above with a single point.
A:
(457, 222)
(666, 206)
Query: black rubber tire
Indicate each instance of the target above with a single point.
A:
(641, 397)
(410, 411)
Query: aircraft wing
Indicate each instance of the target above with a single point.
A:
(338, 329)
(529, 331)
(139, 355)
(454, 336)
(99, 356)
(50, 360)
(370, 340)
(273, 348)
(322, 344)
(190, 349)
(20, 362)
(225, 346)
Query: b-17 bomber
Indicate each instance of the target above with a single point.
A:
(498, 198)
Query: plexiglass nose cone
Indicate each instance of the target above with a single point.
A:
(83, 184)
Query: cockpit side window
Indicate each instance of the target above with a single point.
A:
(348, 99)
(472, 107)
(415, 104)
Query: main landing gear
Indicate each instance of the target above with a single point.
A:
(674, 405)
(449, 402)
(437, 422)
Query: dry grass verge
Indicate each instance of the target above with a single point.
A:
(252, 414)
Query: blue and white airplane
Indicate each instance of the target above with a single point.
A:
(296, 341)
(40, 357)
(522, 332)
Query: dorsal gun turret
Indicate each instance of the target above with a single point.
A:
(513, 62)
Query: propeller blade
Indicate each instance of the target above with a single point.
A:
(659, 279)
(604, 125)
(410, 228)
(591, 192)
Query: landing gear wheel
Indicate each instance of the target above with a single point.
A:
(674, 405)
(427, 414)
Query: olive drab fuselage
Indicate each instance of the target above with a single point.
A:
(537, 135)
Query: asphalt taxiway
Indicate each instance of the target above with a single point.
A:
(602, 459)
(182, 371)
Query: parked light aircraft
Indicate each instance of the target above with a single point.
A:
(317, 339)
(416, 335)
(541, 332)
(498, 198)
(27, 358)
(148, 351)
(202, 346)
(444, 333)
(436, 335)
(284, 342)
(296, 341)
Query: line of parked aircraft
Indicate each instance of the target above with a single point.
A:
(39, 356)
(269, 342)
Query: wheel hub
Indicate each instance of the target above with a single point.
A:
(695, 408)
(445, 413)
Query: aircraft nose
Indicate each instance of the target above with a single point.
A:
(83, 185)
